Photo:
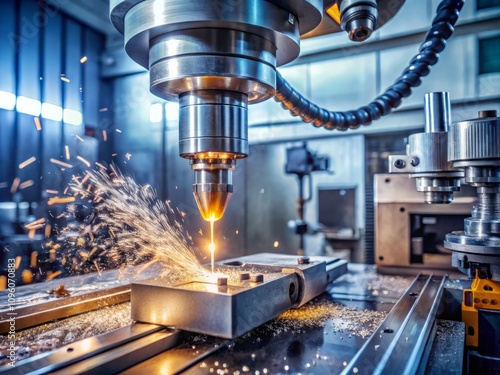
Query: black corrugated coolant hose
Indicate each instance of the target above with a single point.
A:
(435, 42)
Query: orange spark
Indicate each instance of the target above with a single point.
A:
(15, 185)
(83, 161)
(38, 124)
(26, 184)
(27, 162)
(55, 161)
(58, 200)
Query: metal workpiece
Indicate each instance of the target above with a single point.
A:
(358, 18)
(225, 311)
(401, 344)
(276, 283)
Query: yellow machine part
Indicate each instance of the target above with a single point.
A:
(483, 294)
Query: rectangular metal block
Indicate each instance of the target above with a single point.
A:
(226, 311)
(231, 310)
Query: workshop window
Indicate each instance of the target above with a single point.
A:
(489, 55)
(487, 4)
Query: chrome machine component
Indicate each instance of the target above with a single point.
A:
(215, 58)
(475, 147)
(358, 18)
(427, 153)
(233, 309)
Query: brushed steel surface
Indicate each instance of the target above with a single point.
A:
(398, 346)
(437, 112)
(231, 310)
(475, 139)
(124, 356)
(224, 311)
(83, 349)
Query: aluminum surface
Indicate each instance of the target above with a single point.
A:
(80, 350)
(437, 112)
(427, 154)
(231, 310)
(475, 140)
(398, 346)
(35, 305)
(124, 356)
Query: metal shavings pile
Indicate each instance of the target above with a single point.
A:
(50, 336)
(323, 312)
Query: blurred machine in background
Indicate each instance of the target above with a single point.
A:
(303, 162)
(409, 233)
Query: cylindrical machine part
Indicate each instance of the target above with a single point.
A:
(215, 57)
(434, 175)
(213, 186)
(358, 18)
(213, 121)
(475, 147)
(437, 112)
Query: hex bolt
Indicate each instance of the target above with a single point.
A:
(221, 281)
(415, 161)
(257, 278)
(400, 163)
(303, 260)
(244, 276)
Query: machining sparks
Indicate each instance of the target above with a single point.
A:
(142, 226)
(211, 247)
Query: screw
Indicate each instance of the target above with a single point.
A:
(257, 278)
(303, 260)
(415, 161)
(400, 163)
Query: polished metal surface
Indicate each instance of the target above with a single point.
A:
(437, 112)
(213, 186)
(231, 310)
(427, 154)
(398, 346)
(475, 140)
(358, 18)
(124, 356)
(36, 305)
(475, 147)
(215, 122)
(215, 58)
(83, 349)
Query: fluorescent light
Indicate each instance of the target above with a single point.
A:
(52, 112)
(72, 117)
(172, 111)
(155, 112)
(29, 106)
(7, 100)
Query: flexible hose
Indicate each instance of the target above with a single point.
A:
(419, 66)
